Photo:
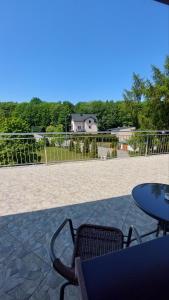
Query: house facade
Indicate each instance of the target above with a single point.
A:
(84, 123)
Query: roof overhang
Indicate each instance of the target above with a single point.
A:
(163, 1)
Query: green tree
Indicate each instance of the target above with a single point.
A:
(132, 100)
(65, 115)
(138, 142)
(156, 111)
(58, 137)
(7, 109)
(137, 90)
(16, 149)
(51, 128)
(36, 100)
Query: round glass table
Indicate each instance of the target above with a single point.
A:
(153, 199)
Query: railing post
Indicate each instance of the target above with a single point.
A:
(146, 153)
(46, 158)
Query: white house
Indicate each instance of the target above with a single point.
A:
(83, 123)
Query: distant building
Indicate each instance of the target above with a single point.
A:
(37, 137)
(123, 134)
(84, 123)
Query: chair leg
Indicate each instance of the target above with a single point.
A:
(163, 227)
(62, 290)
(158, 230)
(164, 230)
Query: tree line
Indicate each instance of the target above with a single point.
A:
(145, 106)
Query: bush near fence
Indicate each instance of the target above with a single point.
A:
(16, 151)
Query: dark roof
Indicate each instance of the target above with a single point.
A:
(83, 117)
(163, 1)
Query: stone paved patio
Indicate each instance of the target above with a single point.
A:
(34, 200)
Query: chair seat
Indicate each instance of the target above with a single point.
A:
(94, 240)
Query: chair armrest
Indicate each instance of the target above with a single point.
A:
(54, 237)
(66, 272)
(133, 230)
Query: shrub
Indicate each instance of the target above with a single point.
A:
(108, 154)
(86, 146)
(77, 147)
(71, 145)
(94, 149)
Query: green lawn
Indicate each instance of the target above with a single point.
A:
(61, 154)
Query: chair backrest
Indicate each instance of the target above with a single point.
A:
(67, 272)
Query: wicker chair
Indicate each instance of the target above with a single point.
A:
(89, 241)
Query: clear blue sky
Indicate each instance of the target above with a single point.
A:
(78, 50)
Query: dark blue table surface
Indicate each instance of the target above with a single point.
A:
(136, 273)
(150, 197)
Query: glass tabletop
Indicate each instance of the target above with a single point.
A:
(152, 199)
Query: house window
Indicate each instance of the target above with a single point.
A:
(89, 121)
(79, 127)
(90, 127)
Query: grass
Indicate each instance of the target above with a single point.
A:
(61, 154)
(55, 154)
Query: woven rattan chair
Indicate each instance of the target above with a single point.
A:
(89, 241)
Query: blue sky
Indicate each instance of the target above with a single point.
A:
(78, 50)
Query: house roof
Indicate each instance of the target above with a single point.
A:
(83, 117)
(123, 129)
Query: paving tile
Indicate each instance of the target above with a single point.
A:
(5, 220)
(21, 274)
(142, 222)
(6, 297)
(110, 212)
(8, 245)
(50, 286)
(41, 246)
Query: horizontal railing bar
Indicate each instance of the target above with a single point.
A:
(19, 138)
(163, 132)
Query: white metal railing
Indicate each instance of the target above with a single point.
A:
(35, 148)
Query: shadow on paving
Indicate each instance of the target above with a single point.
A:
(26, 271)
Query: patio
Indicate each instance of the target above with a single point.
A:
(36, 199)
